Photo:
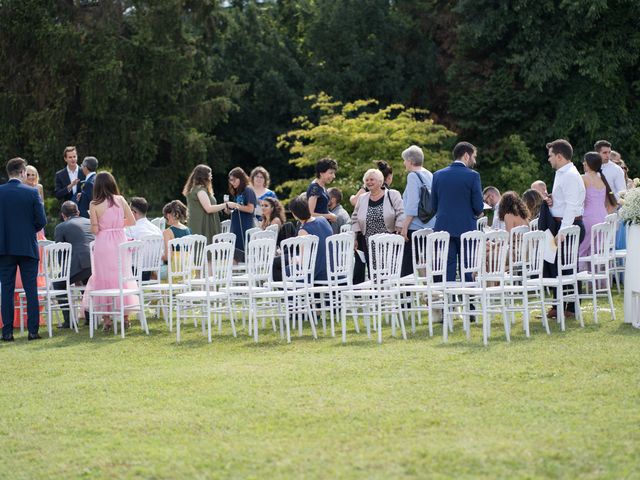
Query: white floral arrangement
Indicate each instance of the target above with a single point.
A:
(630, 201)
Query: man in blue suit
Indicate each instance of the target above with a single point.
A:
(456, 197)
(21, 216)
(89, 167)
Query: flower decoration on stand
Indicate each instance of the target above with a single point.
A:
(630, 201)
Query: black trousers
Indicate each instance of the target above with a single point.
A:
(29, 274)
(550, 270)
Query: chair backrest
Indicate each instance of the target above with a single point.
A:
(160, 222)
(533, 224)
(274, 228)
(199, 243)
(345, 228)
(92, 248)
(248, 233)
(298, 261)
(600, 245)
(219, 265)
(472, 255)
(130, 263)
(482, 223)
(41, 245)
(268, 233)
(533, 254)
(152, 247)
(385, 258)
(259, 257)
(57, 263)
(516, 237)
(437, 253)
(339, 257)
(420, 253)
(568, 250)
(225, 225)
(612, 221)
(179, 259)
(495, 264)
(226, 237)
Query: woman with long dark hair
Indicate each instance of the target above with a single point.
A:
(202, 207)
(272, 213)
(533, 200)
(243, 207)
(512, 211)
(109, 213)
(599, 200)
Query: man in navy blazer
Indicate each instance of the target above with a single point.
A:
(89, 167)
(68, 179)
(21, 216)
(456, 197)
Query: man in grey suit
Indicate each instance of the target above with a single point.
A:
(75, 230)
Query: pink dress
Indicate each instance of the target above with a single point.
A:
(594, 212)
(105, 262)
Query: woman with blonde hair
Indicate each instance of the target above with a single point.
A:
(33, 180)
(202, 207)
(175, 213)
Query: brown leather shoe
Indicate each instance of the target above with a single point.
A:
(552, 313)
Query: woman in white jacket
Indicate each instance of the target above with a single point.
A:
(379, 210)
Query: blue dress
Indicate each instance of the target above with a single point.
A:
(243, 221)
(320, 228)
(322, 204)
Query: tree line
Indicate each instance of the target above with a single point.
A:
(154, 87)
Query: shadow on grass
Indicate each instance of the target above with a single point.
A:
(627, 330)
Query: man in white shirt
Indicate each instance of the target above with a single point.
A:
(143, 226)
(566, 201)
(612, 172)
(491, 196)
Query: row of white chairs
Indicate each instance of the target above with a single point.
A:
(200, 285)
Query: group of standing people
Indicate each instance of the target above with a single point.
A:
(93, 208)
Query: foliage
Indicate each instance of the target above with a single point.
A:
(128, 82)
(630, 199)
(153, 87)
(528, 68)
(558, 406)
(356, 134)
(516, 166)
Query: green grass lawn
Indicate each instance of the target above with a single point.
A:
(565, 405)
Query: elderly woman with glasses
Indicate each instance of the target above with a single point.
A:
(379, 210)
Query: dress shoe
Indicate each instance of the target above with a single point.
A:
(8, 339)
(552, 313)
(64, 325)
(33, 336)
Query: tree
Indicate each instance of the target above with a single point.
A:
(357, 133)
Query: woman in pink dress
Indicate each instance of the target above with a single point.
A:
(109, 213)
(598, 200)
